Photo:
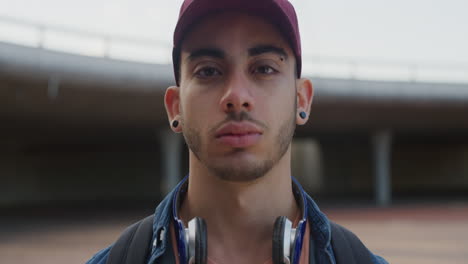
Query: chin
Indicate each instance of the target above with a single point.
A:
(240, 170)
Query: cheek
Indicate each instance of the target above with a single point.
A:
(280, 104)
(198, 109)
(281, 112)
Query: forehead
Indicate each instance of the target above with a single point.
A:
(229, 30)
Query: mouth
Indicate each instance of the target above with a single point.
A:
(238, 135)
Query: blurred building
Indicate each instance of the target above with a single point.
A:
(78, 128)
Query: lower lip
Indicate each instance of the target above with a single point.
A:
(239, 141)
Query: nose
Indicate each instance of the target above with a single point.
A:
(237, 95)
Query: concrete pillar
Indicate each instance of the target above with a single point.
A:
(53, 87)
(307, 164)
(171, 155)
(381, 142)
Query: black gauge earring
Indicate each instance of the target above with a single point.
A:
(303, 115)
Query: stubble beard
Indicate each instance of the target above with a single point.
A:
(248, 171)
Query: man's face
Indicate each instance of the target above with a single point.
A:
(237, 95)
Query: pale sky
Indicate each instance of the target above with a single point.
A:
(433, 32)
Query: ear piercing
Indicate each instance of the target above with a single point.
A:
(303, 115)
(175, 123)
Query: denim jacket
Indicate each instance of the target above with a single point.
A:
(319, 227)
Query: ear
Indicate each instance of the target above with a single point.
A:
(172, 103)
(305, 94)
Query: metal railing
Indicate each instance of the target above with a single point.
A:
(365, 68)
(106, 40)
(317, 66)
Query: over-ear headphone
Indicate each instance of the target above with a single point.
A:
(192, 242)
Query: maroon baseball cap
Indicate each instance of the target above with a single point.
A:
(280, 13)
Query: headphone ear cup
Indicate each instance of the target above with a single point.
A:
(201, 241)
(278, 240)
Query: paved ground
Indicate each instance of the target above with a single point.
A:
(406, 235)
(412, 235)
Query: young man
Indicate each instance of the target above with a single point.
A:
(238, 98)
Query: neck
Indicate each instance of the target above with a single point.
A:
(240, 215)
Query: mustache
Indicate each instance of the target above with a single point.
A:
(239, 117)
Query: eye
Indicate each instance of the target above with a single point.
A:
(207, 72)
(265, 69)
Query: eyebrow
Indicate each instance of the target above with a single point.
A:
(261, 49)
(207, 52)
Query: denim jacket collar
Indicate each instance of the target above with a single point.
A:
(318, 223)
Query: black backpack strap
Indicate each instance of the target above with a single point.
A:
(134, 244)
(347, 247)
